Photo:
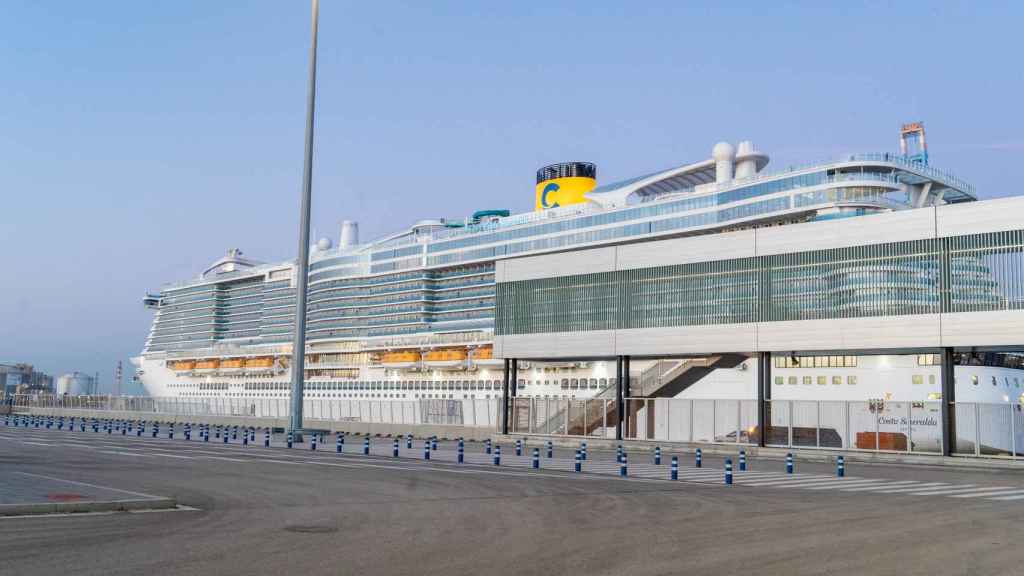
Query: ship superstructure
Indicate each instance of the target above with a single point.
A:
(412, 315)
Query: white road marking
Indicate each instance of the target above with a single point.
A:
(990, 492)
(943, 491)
(1017, 497)
(919, 487)
(90, 485)
(902, 483)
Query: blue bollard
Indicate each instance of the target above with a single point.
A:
(188, 432)
(622, 465)
(312, 442)
(226, 437)
(551, 450)
(579, 461)
(840, 466)
(291, 438)
(728, 470)
(266, 437)
(536, 457)
(789, 463)
(426, 449)
(124, 429)
(408, 441)
(156, 429)
(394, 448)
(234, 433)
(487, 446)
(245, 438)
(743, 460)
(618, 455)
(462, 451)
(339, 444)
(433, 443)
(674, 475)
(252, 434)
(584, 450)
(519, 447)
(366, 446)
(497, 455)
(138, 431)
(657, 455)
(216, 432)
(206, 433)
(699, 458)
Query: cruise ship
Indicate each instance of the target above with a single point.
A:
(412, 315)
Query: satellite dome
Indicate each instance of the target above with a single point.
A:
(723, 151)
(323, 244)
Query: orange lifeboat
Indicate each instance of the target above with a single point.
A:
(182, 365)
(484, 356)
(401, 358)
(208, 364)
(259, 362)
(447, 357)
(231, 363)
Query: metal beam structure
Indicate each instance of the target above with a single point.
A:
(619, 403)
(302, 265)
(504, 397)
(948, 413)
(764, 396)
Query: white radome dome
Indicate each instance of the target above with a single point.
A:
(723, 151)
(323, 244)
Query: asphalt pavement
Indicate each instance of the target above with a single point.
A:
(254, 510)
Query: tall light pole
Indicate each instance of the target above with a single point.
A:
(302, 265)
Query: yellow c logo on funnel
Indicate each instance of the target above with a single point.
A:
(563, 191)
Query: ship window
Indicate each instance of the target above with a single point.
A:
(593, 383)
(851, 380)
(974, 379)
(931, 378)
(779, 380)
(603, 382)
(822, 380)
(574, 383)
(807, 380)
(792, 380)
(565, 383)
(837, 380)
(917, 379)
(994, 381)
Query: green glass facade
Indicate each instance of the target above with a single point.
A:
(955, 274)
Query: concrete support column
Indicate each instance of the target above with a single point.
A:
(504, 398)
(948, 402)
(619, 404)
(764, 394)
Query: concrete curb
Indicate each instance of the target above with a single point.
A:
(87, 506)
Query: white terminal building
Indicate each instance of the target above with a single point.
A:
(872, 278)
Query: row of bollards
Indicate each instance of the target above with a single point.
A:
(227, 433)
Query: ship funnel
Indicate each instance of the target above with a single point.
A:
(746, 165)
(564, 184)
(349, 234)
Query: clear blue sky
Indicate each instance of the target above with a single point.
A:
(140, 140)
